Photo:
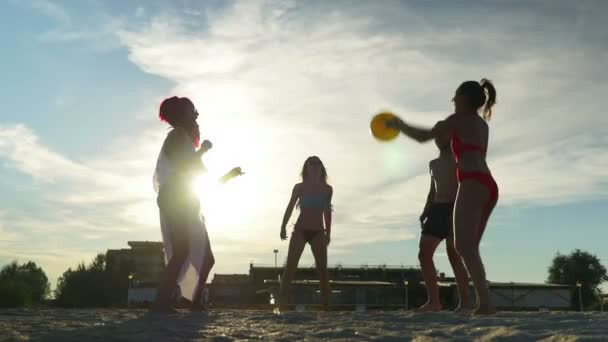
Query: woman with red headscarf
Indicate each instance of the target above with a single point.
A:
(187, 248)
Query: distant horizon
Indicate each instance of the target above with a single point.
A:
(277, 81)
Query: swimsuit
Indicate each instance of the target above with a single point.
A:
(311, 201)
(458, 148)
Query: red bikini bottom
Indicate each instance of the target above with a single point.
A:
(483, 178)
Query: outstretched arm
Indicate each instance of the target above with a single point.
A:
(230, 175)
(327, 215)
(295, 194)
(419, 134)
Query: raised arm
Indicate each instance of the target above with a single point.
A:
(180, 150)
(327, 215)
(295, 194)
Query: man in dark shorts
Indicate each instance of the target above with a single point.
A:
(436, 221)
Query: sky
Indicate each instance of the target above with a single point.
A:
(278, 81)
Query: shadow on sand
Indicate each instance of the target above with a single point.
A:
(148, 327)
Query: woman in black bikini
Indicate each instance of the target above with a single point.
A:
(313, 197)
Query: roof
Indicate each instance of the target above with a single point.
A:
(342, 267)
(515, 285)
(145, 244)
(349, 283)
(231, 279)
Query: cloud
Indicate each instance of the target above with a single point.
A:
(95, 29)
(327, 74)
(51, 10)
(276, 82)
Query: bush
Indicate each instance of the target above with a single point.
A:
(89, 286)
(22, 285)
(583, 267)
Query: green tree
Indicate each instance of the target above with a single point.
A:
(86, 286)
(579, 266)
(22, 285)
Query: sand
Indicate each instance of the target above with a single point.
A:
(243, 325)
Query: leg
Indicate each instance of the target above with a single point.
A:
(318, 245)
(197, 303)
(460, 273)
(296, 246)
(428, 244)
(469, 210)
(168, 284)
(484, 221)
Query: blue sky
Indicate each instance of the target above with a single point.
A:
(277, 81)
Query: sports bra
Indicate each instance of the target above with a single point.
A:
(313, 201)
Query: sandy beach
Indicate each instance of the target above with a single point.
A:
(244, 325)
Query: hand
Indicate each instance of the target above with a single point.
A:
(236, 172)
(328, 238)
(205, 146)
(283, 233)
(394, 123)
(422, 218)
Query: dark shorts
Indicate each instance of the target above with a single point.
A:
(439, 220)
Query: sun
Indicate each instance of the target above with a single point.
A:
(226, 207)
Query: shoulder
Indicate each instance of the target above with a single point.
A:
(177, 131)
(297, 189)
(449, 120)
(176, 136)
(446, 125)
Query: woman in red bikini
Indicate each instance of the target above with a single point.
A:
(313, 197)
(477, 190)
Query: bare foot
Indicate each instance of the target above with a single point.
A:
(199, 308)
(485, 310)
(428, 307)
(162, 309)
(464, 309)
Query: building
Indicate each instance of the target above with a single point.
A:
(514, 296)
(366, 285)
(141, 267)
(231, 290)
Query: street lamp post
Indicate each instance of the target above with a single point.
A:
(580, 297)
(406, 283)
(130, 286)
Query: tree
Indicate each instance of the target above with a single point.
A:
(579, 266)
(86, 286)
(22, 285)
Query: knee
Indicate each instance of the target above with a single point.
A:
(466, 250)
(453, 254)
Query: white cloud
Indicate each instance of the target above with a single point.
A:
(51, 10)
(276, 82)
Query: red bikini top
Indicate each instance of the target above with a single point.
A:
(458, 147)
